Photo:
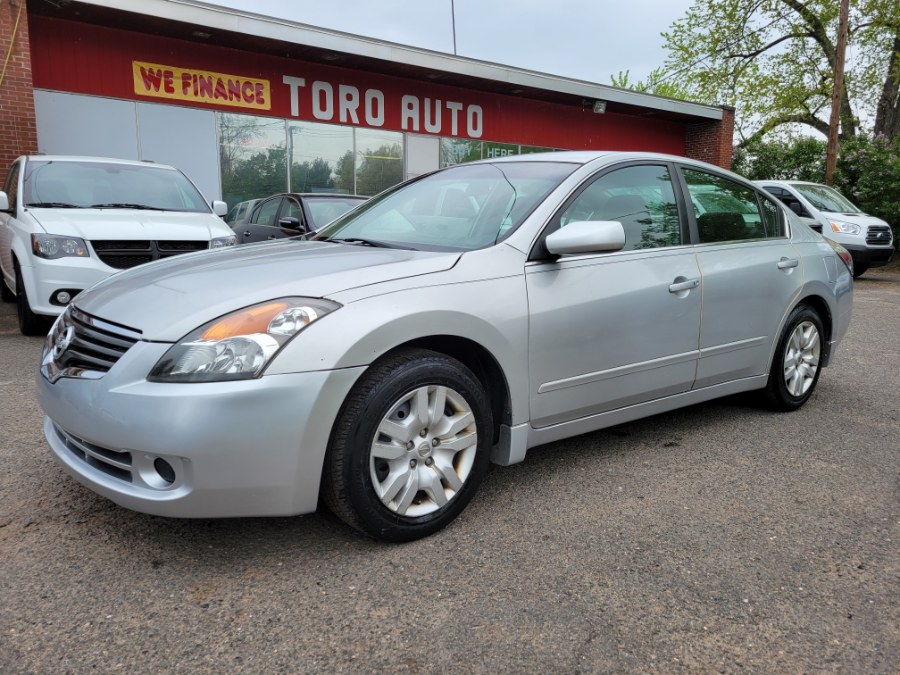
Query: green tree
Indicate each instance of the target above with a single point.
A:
(868, 173)
(314, 176)
(801, 158)
(656, 83)
(379, 169)
(773, 60)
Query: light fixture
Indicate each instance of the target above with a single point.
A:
(599, 107)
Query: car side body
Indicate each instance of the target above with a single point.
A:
(592, 305)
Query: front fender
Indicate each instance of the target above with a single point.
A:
(492, 313)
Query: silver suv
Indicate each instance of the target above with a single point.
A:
(869, 239)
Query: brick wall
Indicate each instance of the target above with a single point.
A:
(712, 141)
(18, 131)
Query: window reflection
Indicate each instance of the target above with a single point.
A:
(318, 155)
(379, 160)
(251, 156)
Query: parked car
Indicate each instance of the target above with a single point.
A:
(869, 239)
(291, 214)
(462, 317)
(68, 222)
(240, 212)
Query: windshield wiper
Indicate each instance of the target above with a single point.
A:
(125, 205)
(54, 205)
(374, 243)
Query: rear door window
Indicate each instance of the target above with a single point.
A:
(724, 209)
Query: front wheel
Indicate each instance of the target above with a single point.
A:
(5, 294)
(29, 322)
(796, 366)
(409, 448)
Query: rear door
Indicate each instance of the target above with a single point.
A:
(751, 274)
(609, 330)
(263, 222)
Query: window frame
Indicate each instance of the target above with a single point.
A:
(539, 249)
(759, 192)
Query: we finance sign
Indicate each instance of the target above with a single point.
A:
(200, 86)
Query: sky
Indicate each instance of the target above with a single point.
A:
(588, 40)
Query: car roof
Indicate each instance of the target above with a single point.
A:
(99, 160)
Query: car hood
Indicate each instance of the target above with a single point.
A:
(862, 219)
(95, 224)
(169, 298)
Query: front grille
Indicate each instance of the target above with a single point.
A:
(81, 345)
(110, 462)
(880, 235)
(124, 254)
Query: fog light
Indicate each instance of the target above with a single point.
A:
(63, 296)
(164, 469)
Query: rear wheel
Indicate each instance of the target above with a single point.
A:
(29, 322)
(409, 448)
(796, 366)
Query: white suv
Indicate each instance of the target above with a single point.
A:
(869, 239)
(68, 222)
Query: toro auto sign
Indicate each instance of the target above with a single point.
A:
(319, 100)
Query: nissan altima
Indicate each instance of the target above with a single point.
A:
(463, 317)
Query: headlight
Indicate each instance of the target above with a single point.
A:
(52, 246)
(238, 346)
(846, 228)
(223, 242)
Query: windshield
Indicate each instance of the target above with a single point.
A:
(84, 184)
(827, 199)
(323, 210)
(463, 208)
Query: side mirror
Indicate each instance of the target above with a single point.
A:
(595, 236)
(220, 208)
(291, 223)
(813, 223)
(4, 201)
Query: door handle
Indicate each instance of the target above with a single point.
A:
(788, 263)
(686, 285)
(246, 233)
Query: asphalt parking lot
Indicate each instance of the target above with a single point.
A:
(716, 538)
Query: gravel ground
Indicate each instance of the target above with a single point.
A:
(715, 538)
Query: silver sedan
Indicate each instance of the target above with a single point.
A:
(460, 318)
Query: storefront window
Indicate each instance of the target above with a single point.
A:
(317, 153)
(456, 151)
(531, 149)
(495, 150)
(251, 156)
(379, 160)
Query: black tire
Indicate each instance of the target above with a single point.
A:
(801, 342)
(5, 294)
(29, 322)
(352, 469)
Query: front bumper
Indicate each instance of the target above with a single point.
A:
(865, 257)
(248, 448)
(44, 277)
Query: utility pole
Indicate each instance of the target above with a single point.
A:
(837, 95)
(453, 21)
